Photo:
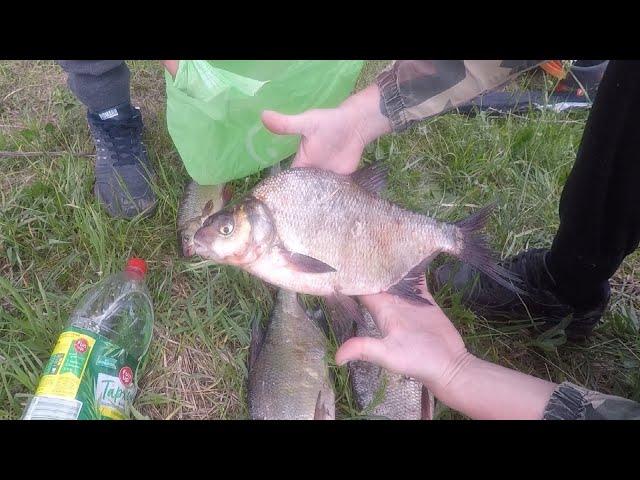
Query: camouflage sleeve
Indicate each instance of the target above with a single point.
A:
(572, 402)
(415, 89)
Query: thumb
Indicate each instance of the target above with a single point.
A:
(284, 124)
(366, 349)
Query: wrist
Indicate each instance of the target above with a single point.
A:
(448, 383)
(483, 390)
(364, 110)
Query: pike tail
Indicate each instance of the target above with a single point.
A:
(477, 253)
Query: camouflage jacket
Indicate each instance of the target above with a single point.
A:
(415, 89)
(572, 402)
(412, 90)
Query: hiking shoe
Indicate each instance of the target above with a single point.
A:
(489, 299)
(123, 172)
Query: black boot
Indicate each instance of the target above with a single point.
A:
(487, 298)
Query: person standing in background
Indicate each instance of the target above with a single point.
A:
(123, 172)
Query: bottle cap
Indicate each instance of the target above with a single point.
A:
(137, 265)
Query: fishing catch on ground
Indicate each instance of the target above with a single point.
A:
(317, 232)
(288, 374)
(403, 398)
(197, 203)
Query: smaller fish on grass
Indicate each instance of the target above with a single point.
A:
(289, 378)
(197, 203)
(384, 394)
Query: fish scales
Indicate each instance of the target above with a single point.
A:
(290, 374)
(337, 222)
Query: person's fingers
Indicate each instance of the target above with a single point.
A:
(424, 292)
(281, 124)
(375, 304)
(366, 349)
(377, 301)
(171, 66)
(300, 160)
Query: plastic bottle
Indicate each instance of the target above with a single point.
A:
(91, 373)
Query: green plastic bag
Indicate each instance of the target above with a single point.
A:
(214, 107)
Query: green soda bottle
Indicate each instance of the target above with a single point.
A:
(91, 374)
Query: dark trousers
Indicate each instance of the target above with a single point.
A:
(600, 203)
(98, 84)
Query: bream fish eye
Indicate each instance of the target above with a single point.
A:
(226, 228)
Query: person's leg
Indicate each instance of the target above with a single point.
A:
(98, 84)
(600, 203)
(600, 222)
(123, 171)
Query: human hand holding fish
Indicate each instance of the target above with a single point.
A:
(421, 342)
(334, 138)
(417, 340)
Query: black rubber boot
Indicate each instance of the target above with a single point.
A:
(487, 298)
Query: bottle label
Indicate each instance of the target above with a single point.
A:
(87, 377)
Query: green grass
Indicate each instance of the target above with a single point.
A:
(55, 242)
